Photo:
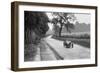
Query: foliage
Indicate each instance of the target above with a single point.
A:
(63, 19)
(35, 26)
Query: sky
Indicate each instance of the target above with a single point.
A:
(83, 18)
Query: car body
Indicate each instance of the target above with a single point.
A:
(68, 44)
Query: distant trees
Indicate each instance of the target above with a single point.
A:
(35, 26)
(63, 20)
(56, 30)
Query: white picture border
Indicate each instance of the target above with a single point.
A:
(34, 64)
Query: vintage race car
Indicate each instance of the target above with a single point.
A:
(68, 44)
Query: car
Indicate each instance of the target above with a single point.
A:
(68, 44)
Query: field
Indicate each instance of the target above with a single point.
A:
(83, 39)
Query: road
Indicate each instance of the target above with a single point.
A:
(78, 52)
(52, 49)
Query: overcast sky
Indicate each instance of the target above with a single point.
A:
(83, 18)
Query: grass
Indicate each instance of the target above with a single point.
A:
(30, 52)
(83, 42)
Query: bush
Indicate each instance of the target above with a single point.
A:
(30, 52)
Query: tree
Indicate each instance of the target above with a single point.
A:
(69, 26)
(56, 30)
(35, 25)
(56, 27)
(64, 19)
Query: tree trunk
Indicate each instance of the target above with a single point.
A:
(60, 30)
